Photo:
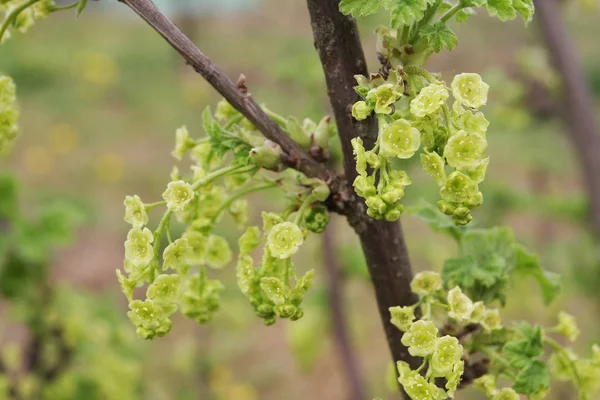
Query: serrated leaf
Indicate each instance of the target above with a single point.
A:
(439, 36)
(360, 8)
(436, 220)
(521, 352)
(464, 14)
(528, 263)
(405, 12)
(503, 9)
(532, 379)
(525, 8)
(466, 272)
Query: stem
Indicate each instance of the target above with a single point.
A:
(158, 232)
(420, 71)
(446, 111)
(208, 178)
(305, 204)
(233, 121)
(13, 14)
(241, 193)
(451, 12)
(150, 206)
(347, 358)
(429, 14)
(493, 354)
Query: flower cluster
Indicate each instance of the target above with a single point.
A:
(411, 119)
(8, 113)
(25, 18)
(177, 276)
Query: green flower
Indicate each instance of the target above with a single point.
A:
(461, 307)
(458, 188)
(164, 289)
(470, 90)
(417, 388)
(239, 212)
(490, 320)
(383, 97)
(249, 240)
(200, 298)
(138, 247)
(267, 156)
(135, 211)
(274, 290)
(183, 143)
(427, 282)
(478, 312)
(448, 352)
(420, 338)
(429, 101)
(465, 150)
(474, 122)
(224, 111)
(567, 326)
(149, 319)
(506, 394)
(177, 255)
(434, 164)
(245, 273)
(198, 244)
(400, 139)
(219, 253)
(316, 219)
(127, 285)
(402, 317)
(178, 195)
(486, 384)
(359, 156)
(454, 378)
(285, 239)
(477, 174)
(361, 110)
(365, 186)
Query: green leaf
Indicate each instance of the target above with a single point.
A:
(222, 141)
(439, 36)
(525, 8)
(436, 220)
(532, 379)
(405, 12)
(503, 9)
(464, 15)
(520, 352)
(528, 264)
(360, 8)
(466, 272)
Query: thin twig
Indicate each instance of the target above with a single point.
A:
(342, 341)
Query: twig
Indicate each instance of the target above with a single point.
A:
(339, 326)
(338, 43)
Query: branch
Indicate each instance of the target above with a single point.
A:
(238, 96)
(338, 43)
(579, 110)
(340, 329)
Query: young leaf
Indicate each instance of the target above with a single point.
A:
(532, 379)
(436, 220)
(360, 8)
(520, 352)
(525, 8)
(406, 12)
(464, 14)
(528, 263)
(503, 9)
(439, 36)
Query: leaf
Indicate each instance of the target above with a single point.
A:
(436, 220)
(466, 272)
(360, 8)
(520, 352)
(532, 379)
(439, 36)
(485, 243)
(405, 12)
(464, 15)
(81, 6)
(525, 8)
(527, 263)
(222, 141)
(503, 9)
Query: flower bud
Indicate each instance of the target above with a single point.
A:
(267, 156)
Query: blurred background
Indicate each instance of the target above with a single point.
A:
(100, 98)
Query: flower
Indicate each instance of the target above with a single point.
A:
(149, 318)
(418, 388)
(434, 164)
(426, 282)
(178, 195)
(219, 253)
(420, 338)
(183, 143)
(402, 317)
(383, 97)
(359, 156)
(177, 255)
(567, 326)
(506, 394)
(470, 90)
(458, 188)
(400, 139)
(138, 247)
(448, 352)
(454, 378)
(361, 110)
(198, 246)
(285, 239)
(465, 150)
(461, 307)
(135, 211)
(490, 320)
(429, 101)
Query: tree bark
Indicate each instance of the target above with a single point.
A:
(578, 108)
(339, 326)
(338, 43)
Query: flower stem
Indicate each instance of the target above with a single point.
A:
(451, 12)
(13, 14)
(429, 14)
(307, 202)
(241, 193)
(219, 173)
(150, 206)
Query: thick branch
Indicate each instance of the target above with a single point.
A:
(236, 94)
(341, 335)
(338, 43)
(579, 111)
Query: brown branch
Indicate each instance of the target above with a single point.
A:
(237, 95)
(338, 43)
(579, 110)
(342, 341)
